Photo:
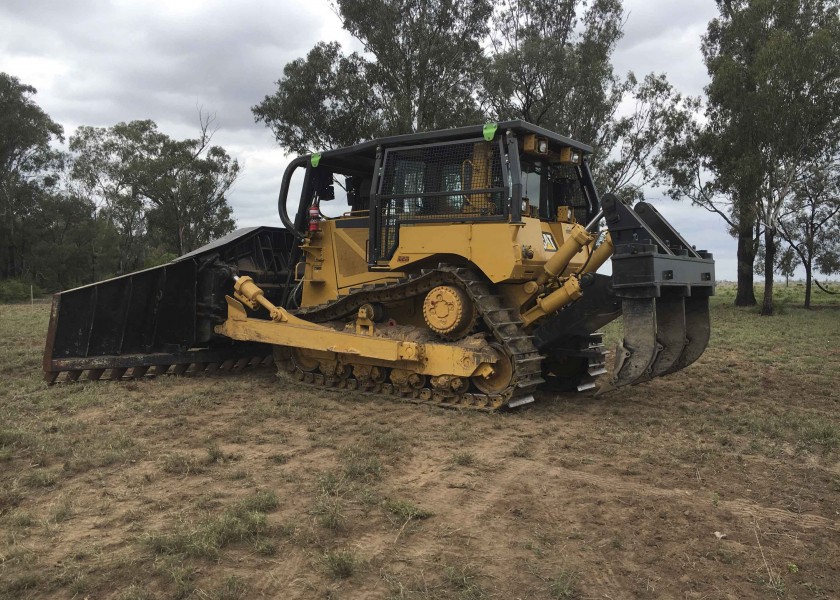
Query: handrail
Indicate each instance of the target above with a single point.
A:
(284, 193)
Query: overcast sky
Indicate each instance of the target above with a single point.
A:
(99, 62)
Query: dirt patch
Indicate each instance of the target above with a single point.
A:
(718, 482)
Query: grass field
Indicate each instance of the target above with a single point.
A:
(722, 481)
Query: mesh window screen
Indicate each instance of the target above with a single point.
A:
(565, 190)
(444, 182)
(548, 187)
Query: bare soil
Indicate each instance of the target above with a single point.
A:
(721, 481)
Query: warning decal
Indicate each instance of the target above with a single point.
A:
(548, 243)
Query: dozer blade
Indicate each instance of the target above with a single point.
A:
(161, 320)
(697, 332)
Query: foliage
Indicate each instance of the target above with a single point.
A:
(134, 197)
(321, 102)
(773, 102)
(551, 65)
(418, 73)
(548, 64)
(811, 221)
(28, 167)
(15, 290)
(153, 188)
(552, 68)
(772, 110)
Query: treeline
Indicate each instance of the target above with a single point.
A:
(121, 198)
(760, 149)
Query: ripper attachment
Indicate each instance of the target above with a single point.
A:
(664, 285)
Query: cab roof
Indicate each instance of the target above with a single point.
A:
(363, 155)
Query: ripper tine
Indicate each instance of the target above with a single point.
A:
(670, 332)
(227, 365)
(51, 376)
(160, 370)
(697, 331)
(73, 375)
(634, 357)
(241, 363)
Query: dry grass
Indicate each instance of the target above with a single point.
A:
(248, 487)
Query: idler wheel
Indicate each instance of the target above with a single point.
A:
(501, 377)
(449, 312)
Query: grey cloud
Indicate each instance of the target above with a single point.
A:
(131, 63)
(647, 19)
(665, 36)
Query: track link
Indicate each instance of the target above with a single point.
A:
(503, 325)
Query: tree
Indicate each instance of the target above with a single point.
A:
(322, 102)
(690, 166)
(28, 164)
(155, 188)
(186, 183)
(551, 65)
(67, 245)
(811, 216)
(773, 103)
(100, 167)
(553, 69)
(421, 66)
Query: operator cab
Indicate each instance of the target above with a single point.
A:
(497, 172)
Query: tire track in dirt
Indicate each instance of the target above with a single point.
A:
(739, 506)
(513, 479)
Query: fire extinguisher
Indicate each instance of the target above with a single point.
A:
(314, 218)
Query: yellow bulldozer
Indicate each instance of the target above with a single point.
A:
(463, 274)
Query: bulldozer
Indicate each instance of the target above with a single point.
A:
(464, 273)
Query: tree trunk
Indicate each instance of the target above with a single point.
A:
(808, 277)
(769, 261)
(746, 258)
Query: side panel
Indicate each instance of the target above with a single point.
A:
(503, 251)
(336, 261)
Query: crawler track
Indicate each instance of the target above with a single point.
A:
(503, 328)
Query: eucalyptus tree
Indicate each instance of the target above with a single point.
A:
(551, 65)
(421, 63)
(28, 164)
(155, 188)
(773, 105)
(810, 221)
